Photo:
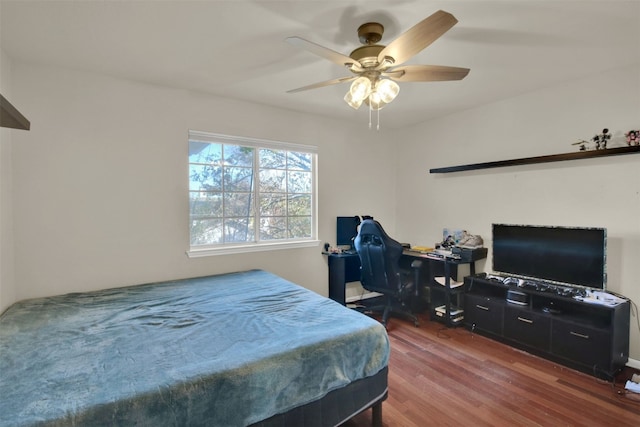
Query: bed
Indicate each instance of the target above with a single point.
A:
(238, 349)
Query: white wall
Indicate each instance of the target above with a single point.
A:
(595, 192)
(100, 182)
(7, 285)
(97, 191)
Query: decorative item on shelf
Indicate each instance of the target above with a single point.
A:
(633, 137)
(601, 139)
(582, 143)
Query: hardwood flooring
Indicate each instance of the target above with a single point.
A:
(451, 377)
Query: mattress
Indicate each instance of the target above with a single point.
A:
(228, 350)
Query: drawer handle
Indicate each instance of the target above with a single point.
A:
(482, 307)
(575, 334)
(522, 319)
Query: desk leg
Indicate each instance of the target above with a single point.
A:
(337, 279)
(447, 285)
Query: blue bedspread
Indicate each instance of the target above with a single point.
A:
(225, 350)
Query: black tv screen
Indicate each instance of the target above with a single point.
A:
(564, 255)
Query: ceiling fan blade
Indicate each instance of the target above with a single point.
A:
(418, 37)
(426, 73)
(326, 53)
(323, 84)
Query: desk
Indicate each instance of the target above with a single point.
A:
(345, 267)
(442, 306)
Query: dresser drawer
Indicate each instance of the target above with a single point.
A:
(582, 344)
(484, 313)
(527, 327)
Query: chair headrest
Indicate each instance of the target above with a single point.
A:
(372, 227)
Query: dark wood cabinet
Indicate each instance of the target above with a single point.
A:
(585, 345)
(484, 313)
(590, 337)
(527, 327)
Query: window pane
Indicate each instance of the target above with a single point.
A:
(299, 182)
(299, 161)
(248, 193)
(273, 159)
(238, 179)
(272, 180)
(208, 204)
(273, 228)
(299, 227)
(206, 231)
(238, 205)
(204, 152)
(204, 177)
(236, 155)
(299, 205)
(239, 230)
(273, 204)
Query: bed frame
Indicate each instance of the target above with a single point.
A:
(337, 406)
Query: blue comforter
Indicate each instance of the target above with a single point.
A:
(225, 350)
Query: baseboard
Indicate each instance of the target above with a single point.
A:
(632, 363)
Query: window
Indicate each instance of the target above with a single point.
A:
(248, 194)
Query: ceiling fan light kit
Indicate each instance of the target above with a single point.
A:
(376, 66)
(375, 93)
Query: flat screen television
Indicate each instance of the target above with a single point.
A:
(561, 255)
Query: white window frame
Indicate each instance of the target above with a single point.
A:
(234, 248)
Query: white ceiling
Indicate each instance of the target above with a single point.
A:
(236, 48)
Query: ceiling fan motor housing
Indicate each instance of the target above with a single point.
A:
(367, 56)
(370, 33)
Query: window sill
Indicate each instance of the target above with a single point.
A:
(239, 249)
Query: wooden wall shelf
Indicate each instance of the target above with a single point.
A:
(541, 159)
(10, 117)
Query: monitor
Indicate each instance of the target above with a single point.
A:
(346, 230)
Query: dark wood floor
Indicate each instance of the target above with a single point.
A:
(451, 377)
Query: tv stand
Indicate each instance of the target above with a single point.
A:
(584, 332)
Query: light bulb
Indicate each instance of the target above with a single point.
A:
(388, 90)
(360, 88)
(351, 101)
(375, 101)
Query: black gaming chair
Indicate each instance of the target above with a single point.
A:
(380, 271)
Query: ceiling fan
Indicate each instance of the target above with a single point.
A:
(376, 68)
